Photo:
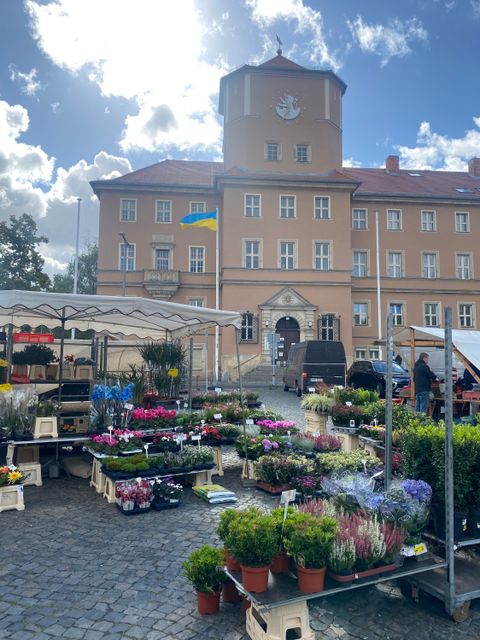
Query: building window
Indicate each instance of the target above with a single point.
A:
(360, 353)
(359, 219)
(162, 259)
(197, 260)
(429, 263)
(429, 221)
(430, 312)
(462, 222)
(359, 264)
(322, 256)
(163, 211)
(360, 314)
(329, 327)
(394, 220)
(374, 353)
(287, 255)
(396, 309)
(196, 302)
(251, 254)
(127, 257)
(252, 205)
(321, 206)
(198, 207)
(128, 210)
(249, 331)
(287, 206)
(303, 153)
(394, 264)
(465, 316)
(272, 151)
(463, 266)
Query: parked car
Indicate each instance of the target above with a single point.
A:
(372, 374)
(312, 362)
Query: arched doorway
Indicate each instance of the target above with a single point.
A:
(289, 331)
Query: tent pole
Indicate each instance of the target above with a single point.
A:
(412, 365)
(105, 358)
(190, 375)
(60, 364)
(237, 340)
(9, 352)
(389, 402)
(449, 466)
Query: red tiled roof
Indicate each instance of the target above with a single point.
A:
(329, 176)
(281, 62)
(175, 172)
(425, 183)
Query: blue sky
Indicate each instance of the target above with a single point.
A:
(91, 89)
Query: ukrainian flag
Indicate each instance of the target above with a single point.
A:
(208, 220)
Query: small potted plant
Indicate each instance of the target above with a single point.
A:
(341, 559)
(203, 569)
(226, 518)
(166, 494)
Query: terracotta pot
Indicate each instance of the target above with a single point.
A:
(208, 603)
(232, 564)
(255, 579)
(230, 592)
(280, 563)
(311, 580)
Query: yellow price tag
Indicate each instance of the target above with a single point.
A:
(419, 548)
(172, 373)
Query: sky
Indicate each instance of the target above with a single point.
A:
(92, 89)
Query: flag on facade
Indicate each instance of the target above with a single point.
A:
(208, 220)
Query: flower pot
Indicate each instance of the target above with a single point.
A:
(255, 579)
(280, 563)
(230, 592)
(311, 580)
(273, 489)
(208, 603)
(231, 562)
(473, 522)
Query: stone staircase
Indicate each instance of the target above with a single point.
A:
(261, 376)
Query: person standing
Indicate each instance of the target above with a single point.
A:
(422, 378)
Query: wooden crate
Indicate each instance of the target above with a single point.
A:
(11, 498)
(26, 454)
(315, 422)
(46, 427)
(33, 471)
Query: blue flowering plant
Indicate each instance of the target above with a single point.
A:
(108, 406)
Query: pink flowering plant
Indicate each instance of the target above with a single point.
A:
(121, 440)
(153, 418)
(277, 427)
(307, 485)
(257, 446)
(134, 495)
(166, 442)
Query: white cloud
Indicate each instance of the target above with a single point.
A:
(351, 162)
(308, 22)
(29, 83)
(475, 4)
(148, 51)
(387, 41)
(436, 151)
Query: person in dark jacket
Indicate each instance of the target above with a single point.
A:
(422, 377)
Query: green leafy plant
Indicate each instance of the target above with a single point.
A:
(309, 540)
(320, 403)
(354, 460)
(252, 538)
(203, 569)
(160, 357)
(34, 354)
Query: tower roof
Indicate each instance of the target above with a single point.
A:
(280, 62)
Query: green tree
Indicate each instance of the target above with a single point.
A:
(21, 265)
(87, 273)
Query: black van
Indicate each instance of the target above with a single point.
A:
(314, 361)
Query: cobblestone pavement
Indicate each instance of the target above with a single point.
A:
(72, 566)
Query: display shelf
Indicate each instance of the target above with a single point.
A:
(467, 542)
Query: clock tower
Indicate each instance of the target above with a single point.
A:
(281, 117)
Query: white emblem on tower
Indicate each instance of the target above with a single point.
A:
(287, 107)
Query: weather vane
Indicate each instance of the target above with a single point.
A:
(279, 50)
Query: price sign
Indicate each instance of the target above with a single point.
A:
(217, 416)
(352, 424)
(249, 421)
(172, 373)
(218, 389)
(196, 437)
(288, 496)
(128, 406)
(348, 404)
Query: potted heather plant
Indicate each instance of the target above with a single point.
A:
(203, 569)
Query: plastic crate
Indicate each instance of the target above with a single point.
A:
(33, 471)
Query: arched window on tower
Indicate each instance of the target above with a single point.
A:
(329, 327)
(249, 327)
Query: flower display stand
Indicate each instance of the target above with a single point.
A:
(109, 490)
(349, 442)
(26, 454)
(315, 422)
(251, 470)
(33, 471)
(68, 372)
(98, 478)
(52, 372)
(217, 457)
(279, 623)
(84, 372)
(11, 498)
(46, 427)
(38, 372)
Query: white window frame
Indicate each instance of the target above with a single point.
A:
(358, 220)
(425, 222)
(395, 270)
(130, 248)
(128, 218)
(320, 211)
(196, 302)
(426, 267)
(269, 145)
(194, 260)
(364, 252)
(322, 256)
(398, 316)
(286, 206)
(305, 158)
(169, 258)
(282, 255)
(249, 328)
(462, 316)
(463, 271)
(459, 225)
(167, 214)
(361, 313)
(428, 316)
(250, 208)
(197, 207)
(250, 255)
(394, 223)
(374, 353)
(360, 353)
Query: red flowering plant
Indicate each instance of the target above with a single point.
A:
(231, 411)
(166, 442)
(153, 418)
(210, 435)
(134, 495)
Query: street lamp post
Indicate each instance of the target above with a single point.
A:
(126, 244)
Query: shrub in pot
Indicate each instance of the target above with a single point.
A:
(226, 518)
(203, 569)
